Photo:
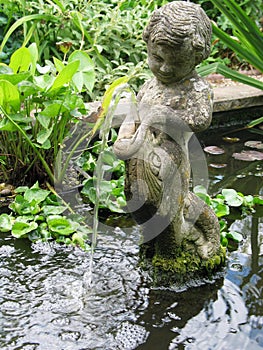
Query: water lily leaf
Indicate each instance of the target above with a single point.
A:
(217, 165)
(248, 156)
(215, 150)
(254, 144)
(5, 223)
(20, 229)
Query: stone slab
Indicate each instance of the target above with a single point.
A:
(226, 98)
(233, 97)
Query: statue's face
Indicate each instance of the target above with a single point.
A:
(171, 64)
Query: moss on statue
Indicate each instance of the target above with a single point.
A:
(185, 266)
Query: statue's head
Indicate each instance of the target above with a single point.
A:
(180, 33)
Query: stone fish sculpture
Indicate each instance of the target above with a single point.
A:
(181, 233)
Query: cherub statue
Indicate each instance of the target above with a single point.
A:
(171, 106)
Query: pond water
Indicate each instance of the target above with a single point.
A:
(46, 304)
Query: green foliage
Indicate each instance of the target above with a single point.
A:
(109, 31)
(246, 42)
(37, 107)
(36, 214)
(222, 204)
(111, 187)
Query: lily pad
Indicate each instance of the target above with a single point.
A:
(254, 144)
(248, 156)
(217, 165)
(215, 150)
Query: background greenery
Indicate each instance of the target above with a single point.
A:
(109, 31)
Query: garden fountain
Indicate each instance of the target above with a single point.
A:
(181, 233)
(43, 302)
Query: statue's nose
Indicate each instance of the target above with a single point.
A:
(164, 68)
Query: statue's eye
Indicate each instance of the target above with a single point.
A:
(158, 58)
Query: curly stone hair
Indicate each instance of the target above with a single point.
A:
(177, 20)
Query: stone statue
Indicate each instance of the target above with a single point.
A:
(181, 233)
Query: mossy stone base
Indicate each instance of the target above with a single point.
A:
(184, 267)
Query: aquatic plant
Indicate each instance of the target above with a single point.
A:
(39, 215)
(223, 203)
(38, 105)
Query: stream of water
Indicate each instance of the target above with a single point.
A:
(44, 304)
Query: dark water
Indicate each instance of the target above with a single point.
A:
(45, 303)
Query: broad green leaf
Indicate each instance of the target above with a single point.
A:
(220, 209)
(43, 135)
(235, 236)
(86, 73)
(5, 223)
(36, 194)
(9, 96)
(7, 125)
(65, 76)
(85, 62)
(15, 78)
(61, 225)
(20, 229)
(44, 120)
(54, 109)
(24, 207)
(58, 64)
(232, 197)
(53, 210)
(20, 60)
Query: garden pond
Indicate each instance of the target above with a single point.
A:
(47, 302)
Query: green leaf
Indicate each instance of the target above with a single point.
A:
(58, 64)
(220, 209)
(65, 76)
(20, 60)
(86, 73)
(6, 124)
(53, 209)
(5, 223)
(24, 207)
(61, 225)
(15, 78)
(232, 197)
(21, 21)
(34, 57)
(36, 194)
(258, 200)
(43, 135)
(201, 192)
(9, 96)
(235, 236)
(20, 229)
